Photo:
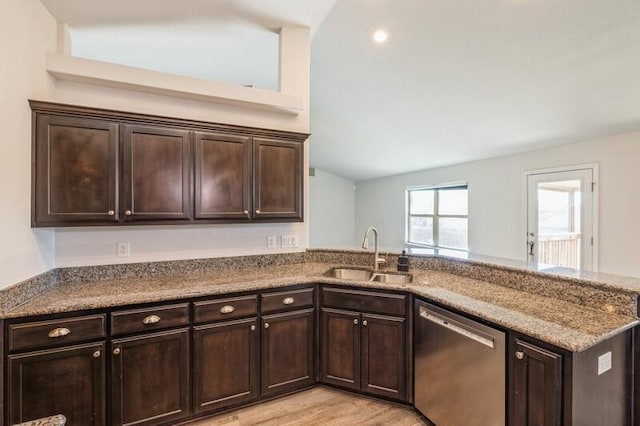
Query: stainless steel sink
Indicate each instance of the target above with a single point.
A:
(351, 274)
(392, 278)
(367, 275)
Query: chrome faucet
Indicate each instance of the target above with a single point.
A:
(377, 260)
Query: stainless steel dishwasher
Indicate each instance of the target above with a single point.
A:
(459, 369)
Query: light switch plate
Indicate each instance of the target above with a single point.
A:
(290, 241)
(272, 242)
(604, 363)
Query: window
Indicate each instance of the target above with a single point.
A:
(438, 217)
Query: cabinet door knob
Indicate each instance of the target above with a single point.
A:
(111, 213)
(288, 301)
(246, 212)
(128, 213)
(96, 354)
(520, 355)
(266, 325)
(151, 319)
(355, 321)
(365, 323)
(227, 309)
(257, 211)
(253, 328)
(116, 351)
(59, 332)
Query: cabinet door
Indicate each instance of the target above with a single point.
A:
(157, 173)
(537, 380)
(150, 378)
(340, 342)
(383, 356)
(69, 381)
(226, 364)
(277, 168)
(75, 171)
(287, 351)
(223, 176)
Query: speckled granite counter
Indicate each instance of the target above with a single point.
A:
(58, 420)
(576, 321)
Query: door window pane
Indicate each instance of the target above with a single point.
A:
(559, 235)
(453, 202)
(453, 232)
(421, 202)
(421, 230)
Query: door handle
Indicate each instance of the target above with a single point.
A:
(531, 245)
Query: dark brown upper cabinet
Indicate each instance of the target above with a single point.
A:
(157, 173)
(75, 171)
(100, 167)
(223, 176)
(277, 174)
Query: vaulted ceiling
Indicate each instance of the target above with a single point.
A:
(457, 80)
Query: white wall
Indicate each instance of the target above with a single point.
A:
(27, 32)
(90, 246)
(496, 204)
(331, 210)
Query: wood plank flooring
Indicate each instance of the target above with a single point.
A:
(318, 406)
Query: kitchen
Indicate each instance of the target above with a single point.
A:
(494, 232)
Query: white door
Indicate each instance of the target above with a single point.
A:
(560, 214)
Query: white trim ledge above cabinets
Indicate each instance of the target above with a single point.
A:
(80, 70)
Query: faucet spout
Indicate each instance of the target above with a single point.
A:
(377, 260)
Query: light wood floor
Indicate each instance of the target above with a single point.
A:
(318, 406)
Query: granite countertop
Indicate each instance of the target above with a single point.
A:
(567, 325)
(58, 420)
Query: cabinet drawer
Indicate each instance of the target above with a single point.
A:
(48, 333)
(289, 299)
(156, 318)
(367, 301)
(222, 309)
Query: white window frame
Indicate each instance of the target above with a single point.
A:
(435, 215)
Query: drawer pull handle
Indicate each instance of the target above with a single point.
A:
(116, 351)
(59, 332)
(288, 301)
(96, 354)
(227, 309)
(520, 355)
(151, 319)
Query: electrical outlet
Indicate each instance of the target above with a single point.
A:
(290, 241)
(604, 363)
(272, 242)
(123, 249)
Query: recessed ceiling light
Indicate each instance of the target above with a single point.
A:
(380, 36)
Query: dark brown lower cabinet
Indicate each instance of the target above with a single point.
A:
(383, 355)
(68, 380)
(150, 378)
(287, 351)
(537, 382)
(340, 342)
(225, 364)
(364, 352)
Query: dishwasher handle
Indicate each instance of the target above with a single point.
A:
(456, 327)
